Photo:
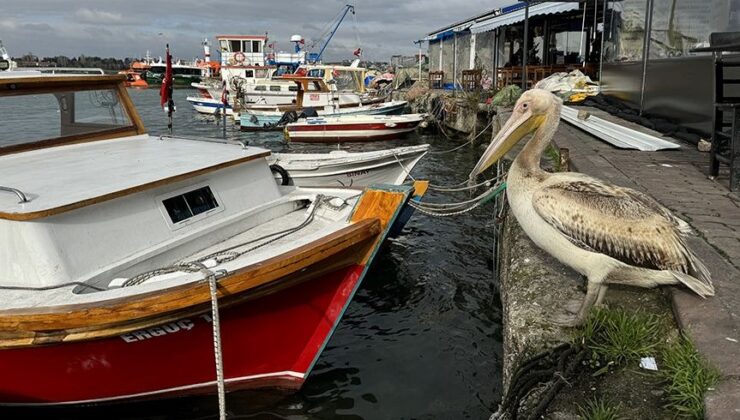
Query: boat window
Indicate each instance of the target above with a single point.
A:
(256, 46)
(224, 45)
(46, 116)
(247, 46)
(262, 73)
(274, 88)
(260, 88)
(293, 88)
(249, 73)
(236, 46)
(316, 73)
(192, 203)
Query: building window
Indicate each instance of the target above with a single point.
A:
(625, 35)
(679, 26)
(185, 206)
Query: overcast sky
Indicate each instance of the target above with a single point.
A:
(128, 28)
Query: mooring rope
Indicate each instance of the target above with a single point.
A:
(425, 208)
(226, 254)
(551, 367)
(462, 145)
(217, 349)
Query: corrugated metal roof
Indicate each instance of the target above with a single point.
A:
(516, 14)
(615, 134)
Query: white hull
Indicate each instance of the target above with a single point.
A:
(341, 168)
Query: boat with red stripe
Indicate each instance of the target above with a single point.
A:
(352, 128)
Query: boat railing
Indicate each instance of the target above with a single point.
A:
(17, 192)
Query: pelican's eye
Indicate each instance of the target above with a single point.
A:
(525, 106)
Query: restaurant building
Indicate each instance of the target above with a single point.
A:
(640, 50)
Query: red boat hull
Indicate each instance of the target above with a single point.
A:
(270, 342)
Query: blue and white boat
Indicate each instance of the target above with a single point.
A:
(313, 93)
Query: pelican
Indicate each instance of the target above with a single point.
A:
(609, 234)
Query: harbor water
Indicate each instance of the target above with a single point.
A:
(422, 337)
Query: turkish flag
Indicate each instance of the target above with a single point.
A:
(165, 92)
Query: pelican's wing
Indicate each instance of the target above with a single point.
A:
(625, 224)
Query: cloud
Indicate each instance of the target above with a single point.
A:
(99, 17)
(130, 28)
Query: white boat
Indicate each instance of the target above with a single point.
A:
(333, 129)
(130, 256)
(342, 168)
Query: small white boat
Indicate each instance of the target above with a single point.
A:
(341, 168)
(352, 128)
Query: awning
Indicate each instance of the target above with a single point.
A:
(518, 15)
(440, 36)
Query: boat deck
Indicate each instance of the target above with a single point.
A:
(327, 220)
(58, 179)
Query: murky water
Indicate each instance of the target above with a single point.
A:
(421, 339)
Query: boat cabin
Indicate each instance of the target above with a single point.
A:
(241, 50)
(85, 192)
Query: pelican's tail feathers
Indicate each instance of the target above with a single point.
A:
(701, 288)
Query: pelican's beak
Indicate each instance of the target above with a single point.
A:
(518, 126)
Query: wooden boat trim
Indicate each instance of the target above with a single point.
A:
(161, 302)
(343, 259)
(128, 191)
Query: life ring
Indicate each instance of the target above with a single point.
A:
(285, 177)
(239, 57)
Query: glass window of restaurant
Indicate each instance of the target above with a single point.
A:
(680, 25)
(625, 33)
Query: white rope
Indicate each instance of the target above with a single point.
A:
(461, 203)
(462, 145)
(217, 354)
(430, 210)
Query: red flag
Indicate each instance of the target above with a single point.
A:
(165, 92)
(225, 96)
(358, 52)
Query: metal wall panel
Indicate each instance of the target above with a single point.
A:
(623, 81)
(681, 89)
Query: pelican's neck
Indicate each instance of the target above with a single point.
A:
(529, 158)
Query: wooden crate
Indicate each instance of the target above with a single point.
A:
(436, 79)
(471, 79)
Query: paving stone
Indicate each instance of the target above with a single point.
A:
(723, 402)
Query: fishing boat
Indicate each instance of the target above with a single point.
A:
(345, 128)
(141, 266)
(313, 94)
(134, 79)
(183, 73)
(342, 168)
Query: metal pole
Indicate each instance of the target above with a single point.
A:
(646, 51)
(601, 49)
(525, 51)
(454, 62)
(583, 36)
(420, 41)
